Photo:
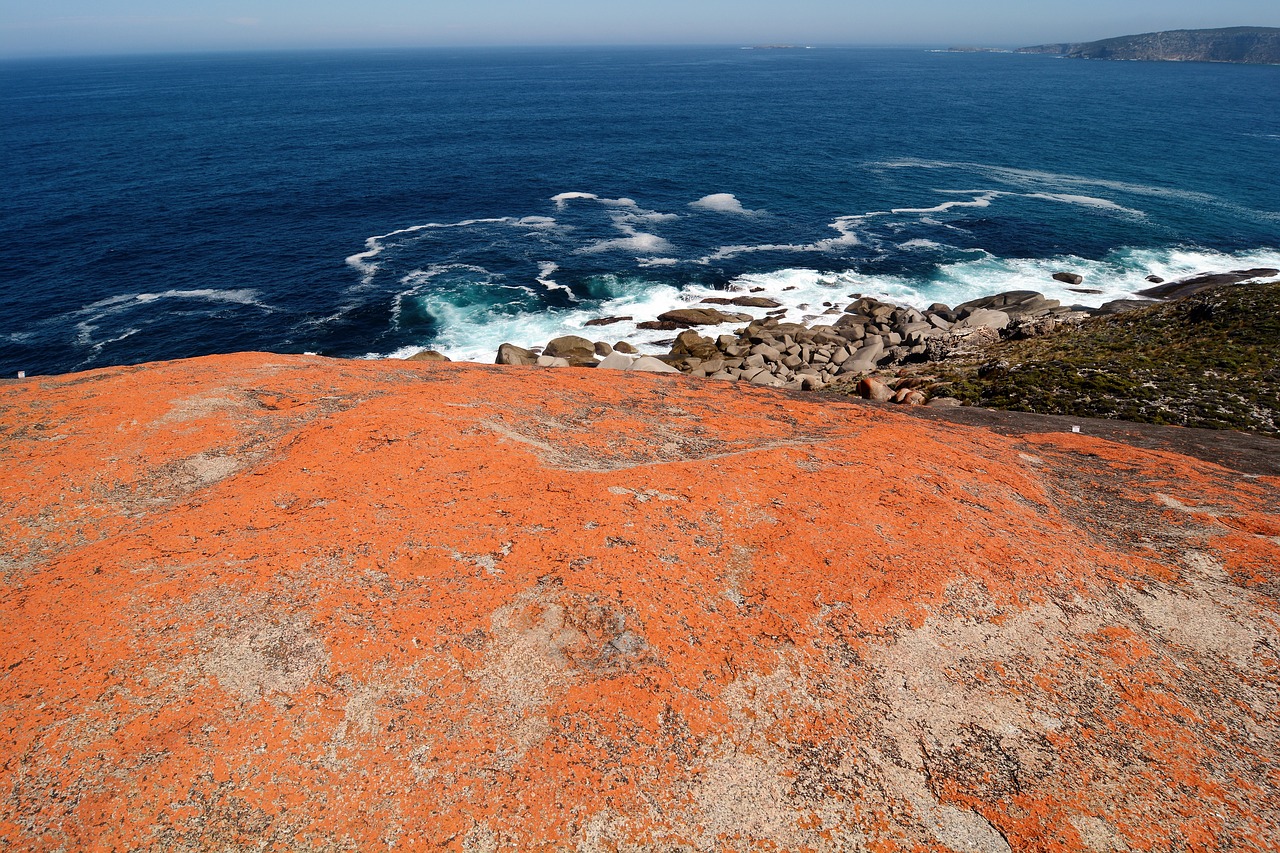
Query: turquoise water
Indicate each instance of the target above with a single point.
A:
(371, 203)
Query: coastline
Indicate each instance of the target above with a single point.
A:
(1161, 357)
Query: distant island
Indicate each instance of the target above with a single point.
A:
(1251, 45)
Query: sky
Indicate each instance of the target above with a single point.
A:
(94, 27)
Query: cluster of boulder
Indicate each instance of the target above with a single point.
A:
(850, 342)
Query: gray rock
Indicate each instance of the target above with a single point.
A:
(985, 318)
(512, 354)
(573, 349)
(1068, 278)
(1197, 283)
(603, 349)
(616, 361)
(769, 353)
(623, 346)
(552, 361)
(1120, 306)
(649, 364)
(870, 351)
(943, 402)
(428, 355)
(743, 301)
(702, 317)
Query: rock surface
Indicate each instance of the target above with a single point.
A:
(284, 602)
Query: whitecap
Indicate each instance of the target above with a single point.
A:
(980, 199)
(723, 203)
(638, 242)
(546, 269)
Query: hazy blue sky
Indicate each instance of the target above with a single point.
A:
(42, 27)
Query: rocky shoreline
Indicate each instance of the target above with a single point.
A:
(875, 349)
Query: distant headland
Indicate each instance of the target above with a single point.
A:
(1251, 45)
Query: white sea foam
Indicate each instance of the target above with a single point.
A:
(564, 198)
(982, 198)
(123, 301)
(473, 332)
(93, 314)
(1054, 183)
(366, 262)
(637, 242)
(546, 269)
(723, 203)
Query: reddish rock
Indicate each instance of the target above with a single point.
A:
(285, 602)
(909, 397)
(870, 388)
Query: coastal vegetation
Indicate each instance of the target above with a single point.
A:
(1206, 360)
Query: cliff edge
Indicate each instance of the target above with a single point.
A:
(285, 602)
(1252, 45)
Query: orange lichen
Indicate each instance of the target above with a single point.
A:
(291, 602)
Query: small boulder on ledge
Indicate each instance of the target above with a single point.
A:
(870, 388)
(428, 355)
(514, 355)
(578, 351)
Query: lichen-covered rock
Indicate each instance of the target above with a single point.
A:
(288, 602)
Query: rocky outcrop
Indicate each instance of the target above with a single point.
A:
(286, 602)
(1254, 45)
(1199, 283)
(869, 335)
(701, 317)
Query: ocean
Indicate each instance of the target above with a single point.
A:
(373, 203)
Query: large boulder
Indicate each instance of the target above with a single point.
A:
(690, 343)
(578, 351)
(870, 388)
(701, 317)
(616, 361)
(649, 364)
(1068, 277)
(985, 318)
(519, 356)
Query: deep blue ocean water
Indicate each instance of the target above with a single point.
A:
(371, 203)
